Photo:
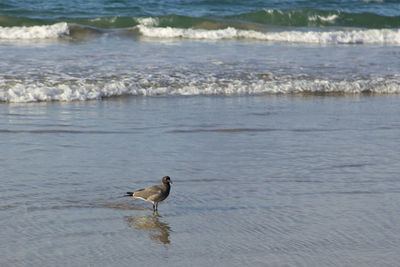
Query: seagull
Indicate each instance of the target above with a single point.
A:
(153, 194)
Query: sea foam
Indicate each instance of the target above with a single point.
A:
(70, 91)
(372, 36)
(148, 27)
(35, 32)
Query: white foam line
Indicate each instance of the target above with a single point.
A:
(371, 36)
(35, 32)
(32, 92)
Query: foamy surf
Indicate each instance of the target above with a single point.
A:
(148, 27)
(73, 91)
(35, 32)
(372, 36)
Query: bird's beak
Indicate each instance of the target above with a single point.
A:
(170, 181)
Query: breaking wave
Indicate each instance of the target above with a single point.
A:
(19, 91)
(35, 32)
(286, 25)
(344, 36)
(383, 36)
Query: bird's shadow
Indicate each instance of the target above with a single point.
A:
(158, 230)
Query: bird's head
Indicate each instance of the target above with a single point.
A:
(166, 180)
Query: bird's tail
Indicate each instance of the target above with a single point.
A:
(129, 194)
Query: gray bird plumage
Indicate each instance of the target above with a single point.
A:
(155, 193)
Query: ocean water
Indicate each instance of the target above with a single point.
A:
(277, 121)
(82, 51)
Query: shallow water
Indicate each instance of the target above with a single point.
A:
(258, 181)
(107, 67)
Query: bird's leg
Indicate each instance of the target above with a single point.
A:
(156, 205)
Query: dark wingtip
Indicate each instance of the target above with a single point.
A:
(128, 194)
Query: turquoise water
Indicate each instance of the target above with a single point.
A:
(54, 10)
(120, 14)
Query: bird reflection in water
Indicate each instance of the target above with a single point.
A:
(158, 230)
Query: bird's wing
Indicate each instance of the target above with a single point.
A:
(154, 188)
(149, 191)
